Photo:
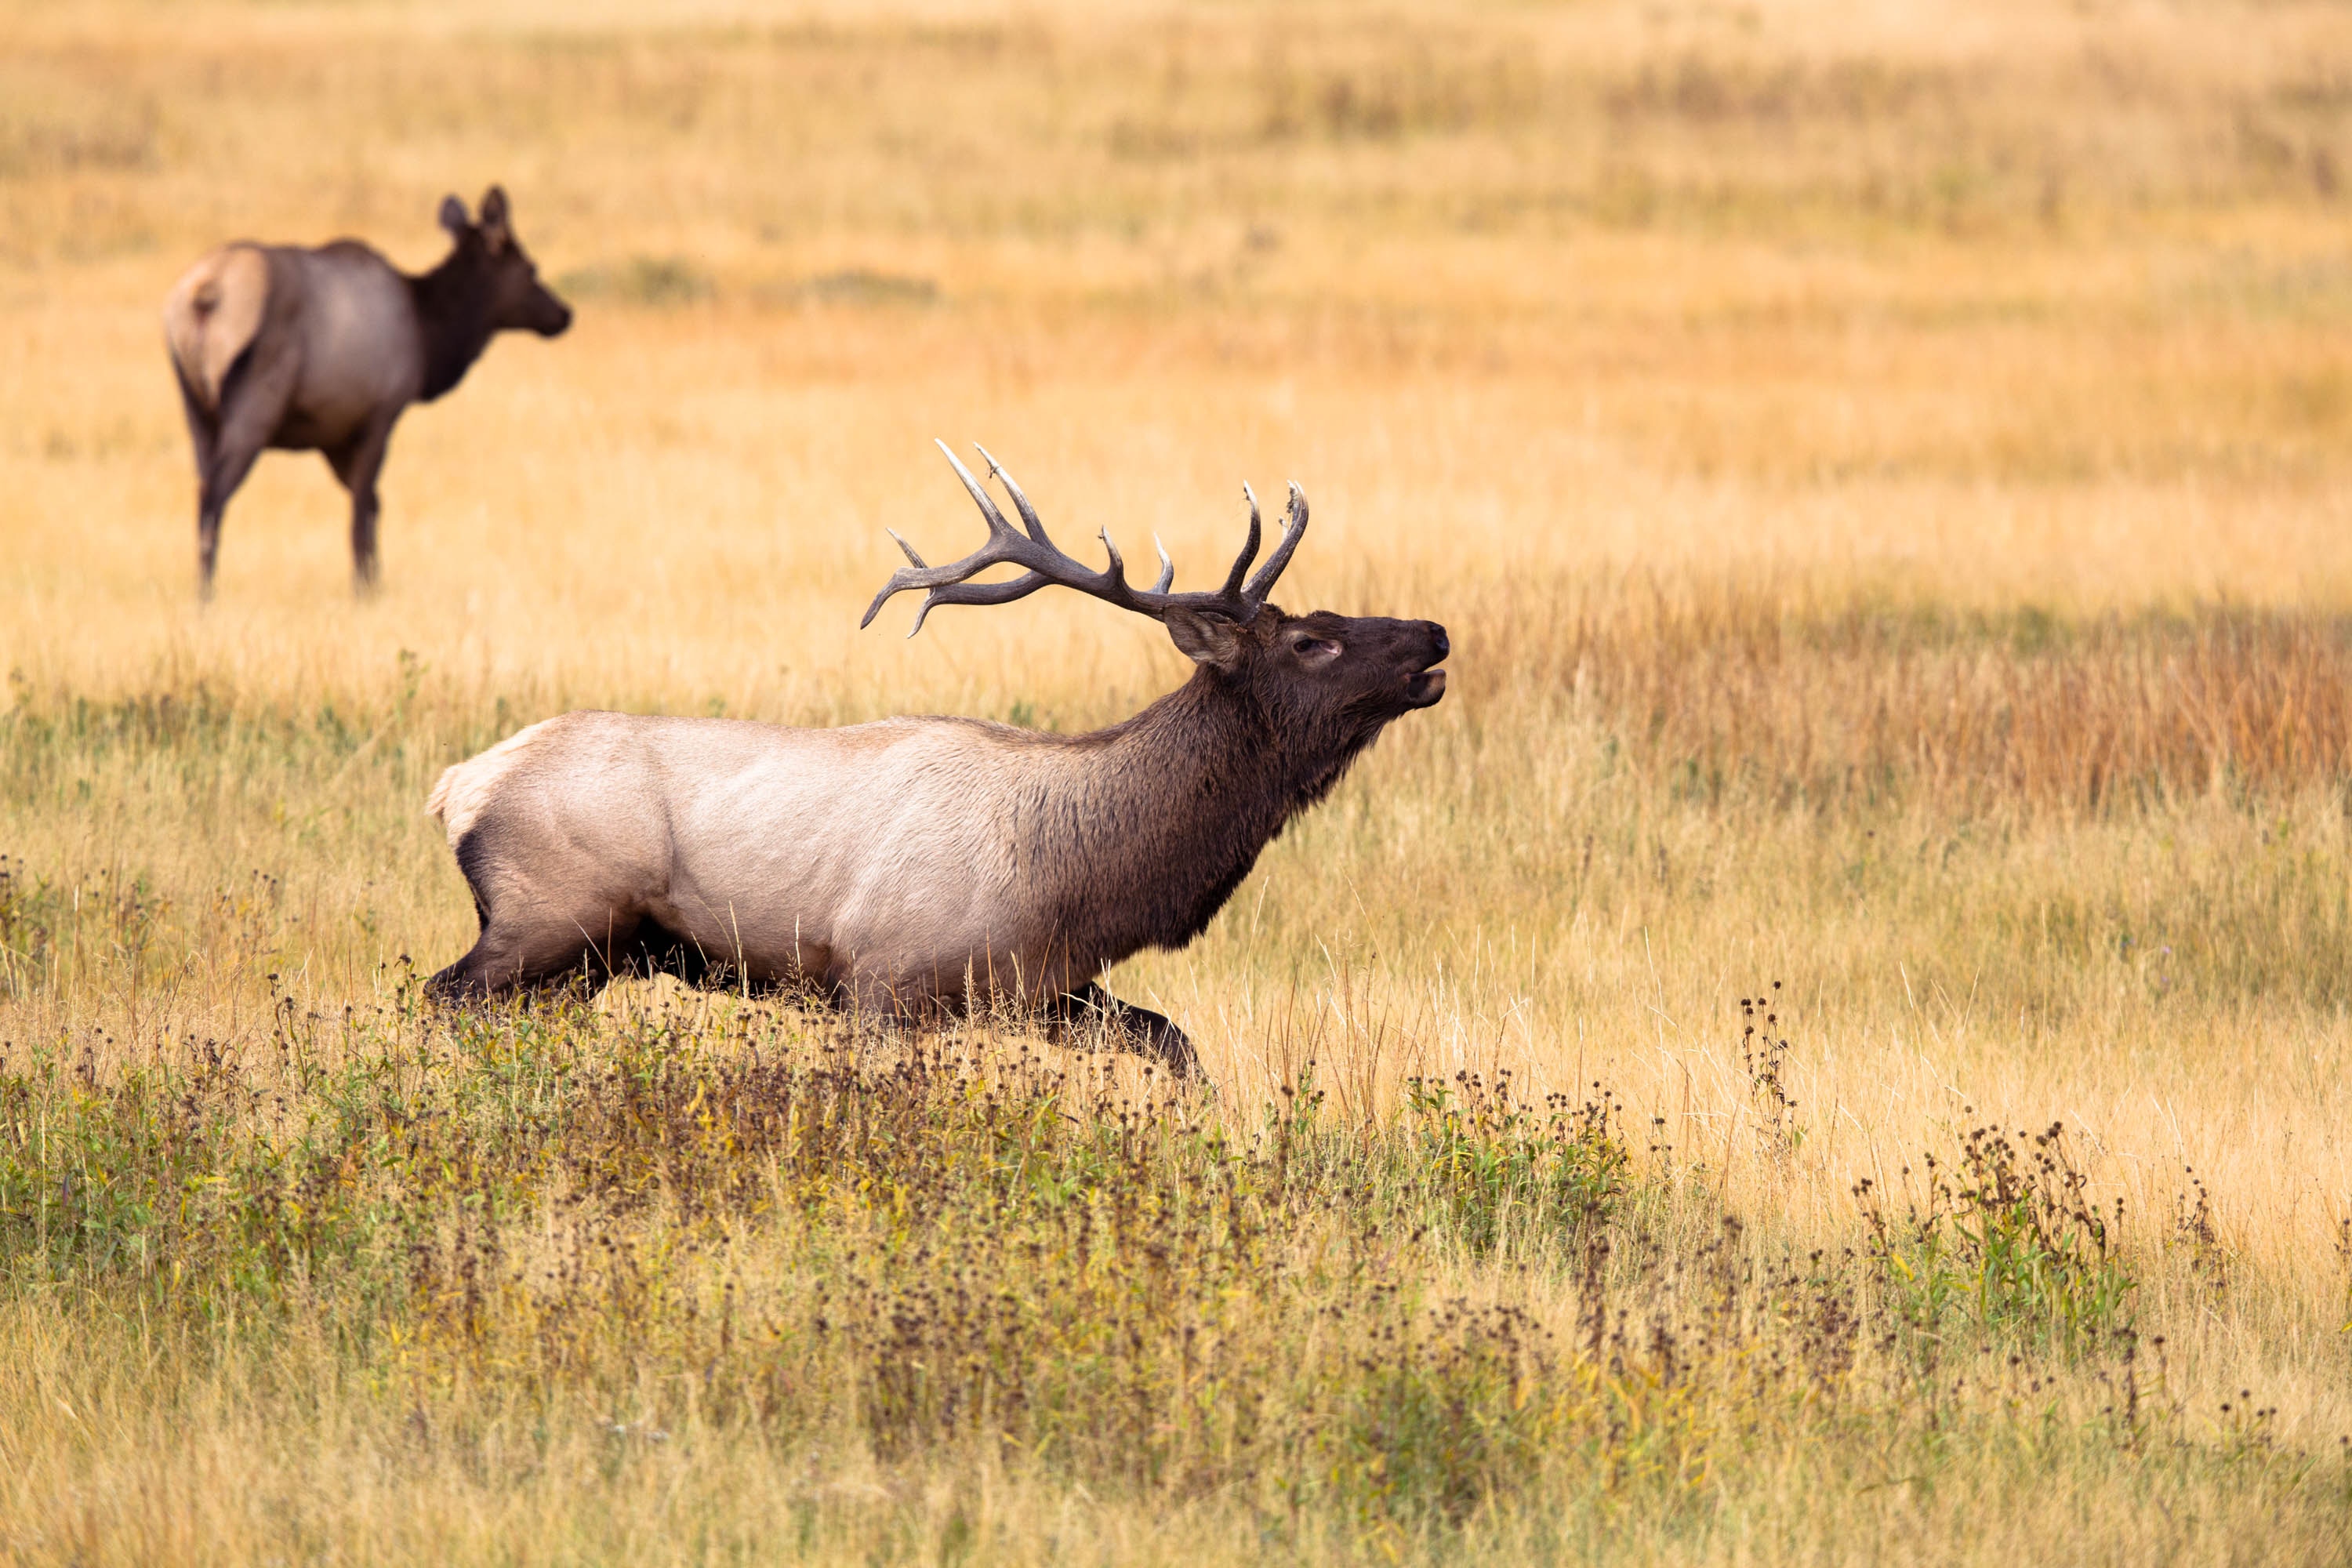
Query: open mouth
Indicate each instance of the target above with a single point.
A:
(1426, 688)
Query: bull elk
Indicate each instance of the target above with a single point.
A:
(918, 865)
(321, 350)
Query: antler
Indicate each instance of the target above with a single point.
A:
(1045, 563)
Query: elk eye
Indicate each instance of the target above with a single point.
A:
(1309, 644)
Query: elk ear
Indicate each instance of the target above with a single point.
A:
(1206, 639)
(495, 232)
(454, 218)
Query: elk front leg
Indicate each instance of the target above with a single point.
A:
(356, 463)
(1139, 1028)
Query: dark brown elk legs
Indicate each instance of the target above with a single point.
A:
(356, 463)
(1139, 1028)
(251, 406)
(515, 954)
(220, 483)
(203, 434)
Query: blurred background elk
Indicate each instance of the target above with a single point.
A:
(320, 349)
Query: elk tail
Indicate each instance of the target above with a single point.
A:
(463, 792)
(436, 804)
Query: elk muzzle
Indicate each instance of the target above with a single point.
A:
(547, 315)
(1425, 683)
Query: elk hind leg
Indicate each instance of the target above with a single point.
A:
(528, 941)
(508, 956)
(253, 402)
(204, 435)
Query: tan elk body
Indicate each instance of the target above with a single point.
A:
(897, 866)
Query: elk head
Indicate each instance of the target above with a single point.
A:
(514, 297)
(1324, 684)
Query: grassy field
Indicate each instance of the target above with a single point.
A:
(1829, 1046)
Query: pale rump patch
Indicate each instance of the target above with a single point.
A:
(214, 313)
(462, 790)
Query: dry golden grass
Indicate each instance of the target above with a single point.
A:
(1885, 472)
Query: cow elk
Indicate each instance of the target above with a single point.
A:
(321, 350)
(915, 866)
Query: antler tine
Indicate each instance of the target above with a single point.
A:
(1029, 518)
(1232, 588)
(907, 577)
(1293, 531)
(1117, 589)
(1167, 567)
(996, 523)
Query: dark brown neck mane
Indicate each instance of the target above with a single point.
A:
(453, 306)
(1160, 817)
